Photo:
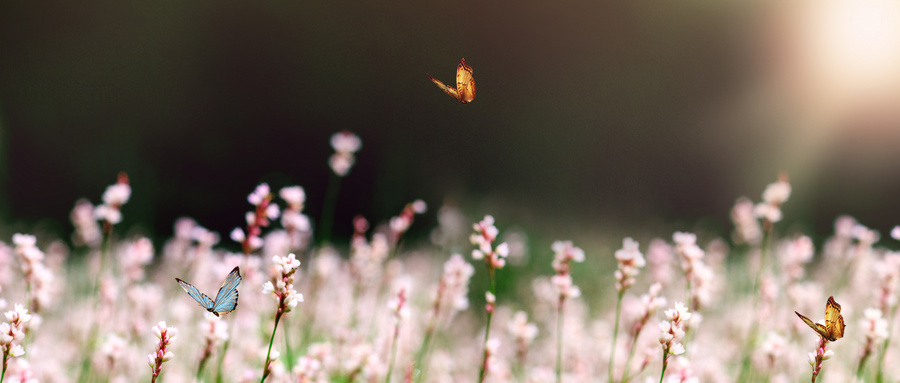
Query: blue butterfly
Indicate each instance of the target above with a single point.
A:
(226, 298)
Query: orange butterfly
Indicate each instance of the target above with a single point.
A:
(834, 322)
(465, 84)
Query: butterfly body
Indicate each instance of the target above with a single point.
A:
(226, 299)
(833, 329)
(465, 84)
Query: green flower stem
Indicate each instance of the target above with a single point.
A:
(559, 339)
(86, 365)
(879, 375)
(429, 332)
(487, 331)
(201, 365)
(754, 328)
(288, 351)
(665, 363)
(266, 369)
(612, 353)
(634, 340)
(331, 194)
(387, 378)
(862, 363)
(5, 362)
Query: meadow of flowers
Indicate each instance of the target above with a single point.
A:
(465, 306)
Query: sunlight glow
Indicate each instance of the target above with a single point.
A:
(852, 46)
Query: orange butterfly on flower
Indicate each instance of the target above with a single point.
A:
(465, 84)
(834, 322)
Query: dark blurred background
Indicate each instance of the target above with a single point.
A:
(589, 114)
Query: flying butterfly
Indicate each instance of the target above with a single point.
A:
(226, 298)
(834, 322)
(465, 84)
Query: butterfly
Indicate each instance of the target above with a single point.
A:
(226, 298)
(465, 84)
(834, 322)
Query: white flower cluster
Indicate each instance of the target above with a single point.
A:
(283, 269)
(651, 302)
(296, 223)
(660, 255)
(114, 197)
(521, 330)
(630, 260)
(696, 272)
(564, 254)
(37, 275)
(746, 224)
(165, 335)
(774, 196)
(345, 145)
(673, 329)
(265, 211)
(214, 329)
(397, 305)
(452, 228)
(364, 360)
(12, 332)
(874, 326)
(773, 347)
(309, 370)
(484, 237)
(795, 254)
(401, 223)
(836, 247)
(87, 231)
(135, 257)
(294, 196)
(821, 353)
(367, 258)
(492, 362)
(887, 270)
(457, 273)
(113, 349)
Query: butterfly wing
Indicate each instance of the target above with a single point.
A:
(452, 92)
(834, 322)
(465, 83)
(815, 326)
(227, 297)
(201, 298)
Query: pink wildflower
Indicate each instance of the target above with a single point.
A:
(345, 145)
(38, 278)
(746, 224)
(673, 330)
(401, 223)
(630, 260)
(282, 286)
(816, 358)
(114, 197)
(775, 195)
(484, 237)
(293, 220)
(523, 332)
(162, 354)
(87, 231)
(660, 256)
(875, 329)
(650, 304)
(887, 272)
(795, 254)
(135, 257)
(264, 212)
